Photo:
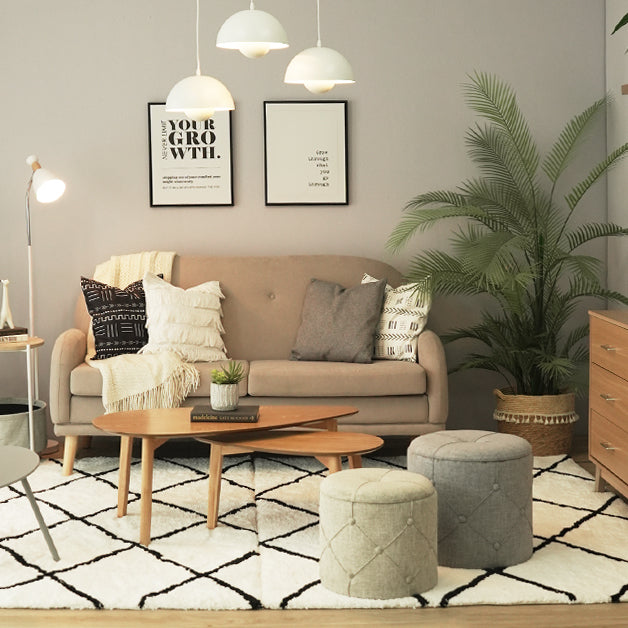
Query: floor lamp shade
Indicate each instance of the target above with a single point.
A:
(253, 33)
(46, 186)
(319, 69)
(198, 97)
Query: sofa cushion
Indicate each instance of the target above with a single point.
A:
(338, 324)
(186, 322)
(289, 378)
(86, 381)
(118, 317)
(403, 318)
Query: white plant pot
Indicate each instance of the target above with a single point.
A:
(223, 397)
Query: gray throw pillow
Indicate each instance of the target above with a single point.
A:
(338, 324)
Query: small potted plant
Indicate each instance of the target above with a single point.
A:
(224, 386)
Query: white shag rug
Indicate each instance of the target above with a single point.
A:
(264, 552)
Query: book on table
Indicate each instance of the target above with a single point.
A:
(13, 334)
(242, 414)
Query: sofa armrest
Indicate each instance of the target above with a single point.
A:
(431, 356)
(68, 352)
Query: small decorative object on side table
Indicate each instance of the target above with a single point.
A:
(224, 394)
(6, 318)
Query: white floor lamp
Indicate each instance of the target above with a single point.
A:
(48, 188)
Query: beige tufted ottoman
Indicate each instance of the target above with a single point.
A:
(378, 533)
(484, 485)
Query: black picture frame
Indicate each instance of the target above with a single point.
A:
(191, 163)
(306, 160)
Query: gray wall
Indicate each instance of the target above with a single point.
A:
(77, 76)
(616, 76)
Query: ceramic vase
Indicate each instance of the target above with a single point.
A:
(223, 397)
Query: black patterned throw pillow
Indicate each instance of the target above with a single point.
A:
(118, 317)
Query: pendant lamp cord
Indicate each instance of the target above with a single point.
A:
(318, 22)
(198, 56)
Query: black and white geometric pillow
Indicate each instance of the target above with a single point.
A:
(403, 318)
(118, 317)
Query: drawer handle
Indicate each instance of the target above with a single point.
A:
(608, 348)
(607, 447)
(607, 397)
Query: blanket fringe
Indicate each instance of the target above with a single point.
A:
(168, 394)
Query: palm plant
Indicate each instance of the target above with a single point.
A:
(519, 244)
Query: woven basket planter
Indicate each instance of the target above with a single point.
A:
(546, 421)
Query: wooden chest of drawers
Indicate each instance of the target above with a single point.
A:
(608, 398)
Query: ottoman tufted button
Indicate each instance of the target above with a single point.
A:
(271, 296)
(496, 545)
(462, 518)
(408, 579)
(352, 521)
(350, 575)
(410, 521)
(378, 550)
(495, 486)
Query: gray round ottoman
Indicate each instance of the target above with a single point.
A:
(484, 486)
(378, 533)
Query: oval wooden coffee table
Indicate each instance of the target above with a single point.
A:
(155, 427)
(327, 447)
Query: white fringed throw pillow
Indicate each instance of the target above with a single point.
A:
(403, 318)
(187, 322)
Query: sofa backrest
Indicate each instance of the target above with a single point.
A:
(264, 295)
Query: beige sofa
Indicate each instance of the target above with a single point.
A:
(261, 316)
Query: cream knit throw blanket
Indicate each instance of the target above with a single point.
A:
(138, 381)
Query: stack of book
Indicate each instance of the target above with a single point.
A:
(242, 414)
(13, 334)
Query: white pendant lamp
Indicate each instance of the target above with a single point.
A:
(198, 96)
(252, 32)
(319, 68)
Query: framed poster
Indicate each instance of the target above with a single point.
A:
(190, 161)
(305, 150)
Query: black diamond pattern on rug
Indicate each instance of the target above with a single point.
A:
(264, 551)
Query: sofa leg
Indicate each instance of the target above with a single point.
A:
(69, 453)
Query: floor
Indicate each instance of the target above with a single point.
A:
(539, 616)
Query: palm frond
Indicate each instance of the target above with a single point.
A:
(422, 218)
(488, 254)
(585, 266)
(501, 202)
(620, 24)
(582, 287)
(573, 198)
(446, 272)
(575, 337)
(499, 159)
(494, 100)
(565, 146)
(591, 231)
(437, 197)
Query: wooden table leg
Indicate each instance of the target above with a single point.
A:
(126, 446)
(215, 476)
(146, 501)
(355, 462)
(333, 463)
